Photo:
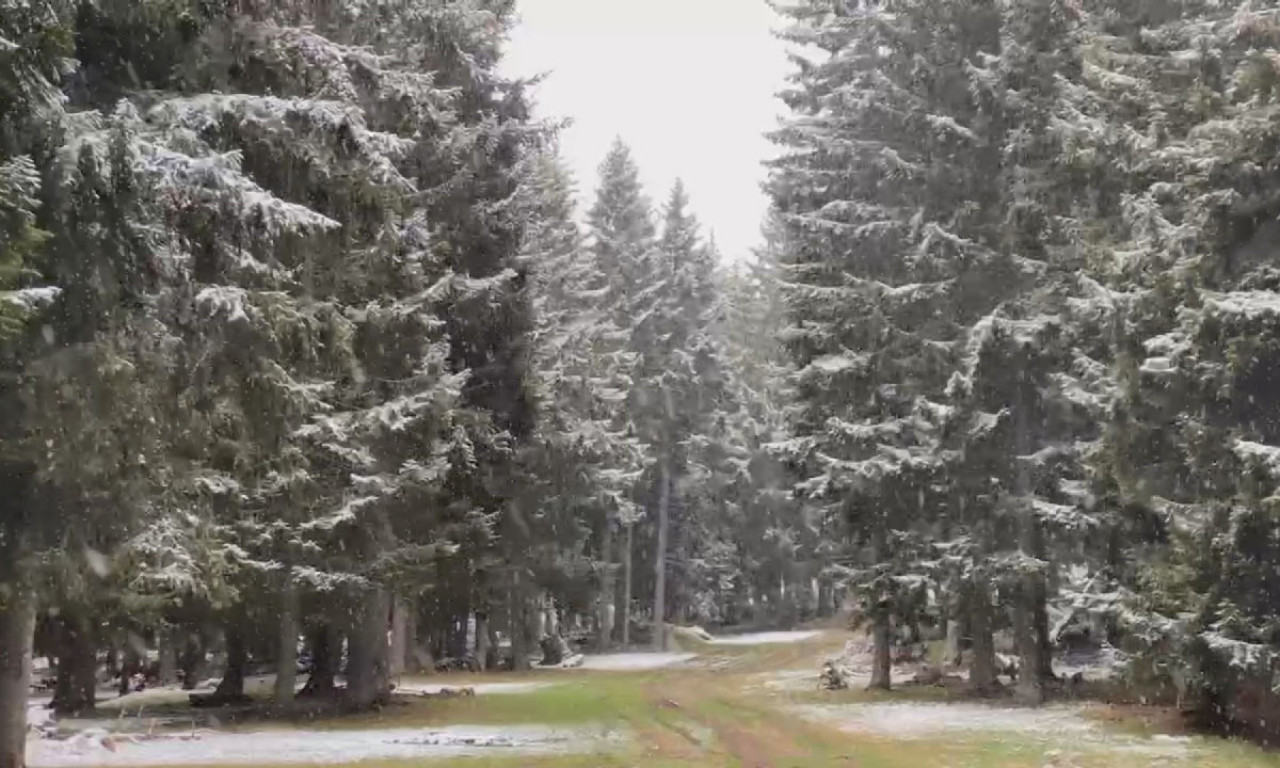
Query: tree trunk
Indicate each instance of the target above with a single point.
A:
(192, 661)
(130, 664)
(325, 646)
(76, 687)
(604, 619)
(231, 687)
(482, 641)
(881, 662)
(168, 653)
(287, 642)
(982, 670)
(518, 622)
(17, 628)
(660, 559)
(399, 643)
(1030, 688)
(367, 671)
(951, 647)
(626, 587)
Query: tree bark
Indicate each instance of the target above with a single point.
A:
(287, 642)
(881, 663)
(399, 650)
(368, 682)
(518, 622)
(982, 670)
(604, 618)
(482, 641)
(231, 687)
(326, 652)
(76, 687)
(1030, 688)
(626, 587)
(192, 662)
(660, 559)
(17, 628)
(168, 653)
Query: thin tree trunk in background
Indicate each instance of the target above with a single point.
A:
(626, 588)
(604, 619)
(982, 669)
(482, 641)
(287, 642)
(660, 560)
(17, 629)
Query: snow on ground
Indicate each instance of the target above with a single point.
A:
(318, 747)
(766, 638)
(479, 688)
(915, 720)
(619, 662)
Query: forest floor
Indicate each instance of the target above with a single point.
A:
(743, 703)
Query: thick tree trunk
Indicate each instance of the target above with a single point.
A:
(192, 661)
(951, 646)
(660, 558)
(231, 687)
(325, 646)
(130, 664)
(168, 653)
(982, 670)
(399, 651)
(881, 662)
(518, 622)
(76, 687)
(287, 642)
(17, 628)
(1030, 687)
(604, 619)
(368, 682)
(626, 587)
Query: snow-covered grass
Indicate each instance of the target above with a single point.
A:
(480, 689)
(767, 638)
(319, 746)
(628, 662)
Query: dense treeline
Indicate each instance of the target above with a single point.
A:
(305, 350)
(1030, 276)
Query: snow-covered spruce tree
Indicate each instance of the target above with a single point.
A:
(35, 42)
(316, 278)
(584, 464)
(880, 214)
(620, 237)
(773, 548)
(1033, 381)
(1183, 104)
(680, 387)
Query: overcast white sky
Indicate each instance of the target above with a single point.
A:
(688, 84)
